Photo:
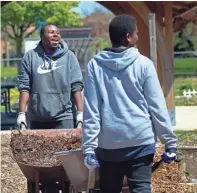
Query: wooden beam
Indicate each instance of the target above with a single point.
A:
(180, 5)
(159, 13)
(189, 13)
(152, 38)
(169, 40)
(168, 24)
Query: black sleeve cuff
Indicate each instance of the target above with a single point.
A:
(171, 150)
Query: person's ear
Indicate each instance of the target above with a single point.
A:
(129, 38)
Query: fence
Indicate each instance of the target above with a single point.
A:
(188, 94)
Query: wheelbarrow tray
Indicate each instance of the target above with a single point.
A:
(46, 173)
(43, 174)
(76, 171)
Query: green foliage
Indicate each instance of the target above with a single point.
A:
(8, 72)
(14, 96)
(17, 17)
(186, 137)
(186, 38)
(103, 43)
(186, 102)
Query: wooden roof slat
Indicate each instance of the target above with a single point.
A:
(180, 5)
(189, 14)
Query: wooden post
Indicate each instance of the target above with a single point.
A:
(159, 18)
(168, 24)
(7, 50)
(169, 39)
(152, 38)
(159, 13)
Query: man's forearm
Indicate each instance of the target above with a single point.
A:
(78, 100)
(23, 100)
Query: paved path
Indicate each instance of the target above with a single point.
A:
(186, 118)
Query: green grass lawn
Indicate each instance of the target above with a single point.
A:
(9, 72)
(181, 84)
(185, 66)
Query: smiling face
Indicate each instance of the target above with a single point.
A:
(51, 37)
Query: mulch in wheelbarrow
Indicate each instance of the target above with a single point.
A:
(38, 147)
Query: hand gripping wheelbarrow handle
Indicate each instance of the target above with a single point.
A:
(156, 165)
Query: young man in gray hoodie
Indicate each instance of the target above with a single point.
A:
(124, 112)
(49, 78)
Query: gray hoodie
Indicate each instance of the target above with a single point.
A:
(50, 80)
(124, 104)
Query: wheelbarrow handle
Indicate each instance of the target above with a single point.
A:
(23, 126)
(80, 125)
(91, 181)
(156, 165)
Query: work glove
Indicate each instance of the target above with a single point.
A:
(91, 162)
(79, 119)
(21, 121)
(169, 155)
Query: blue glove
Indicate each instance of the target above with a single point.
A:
(169, 155)
(91, 162)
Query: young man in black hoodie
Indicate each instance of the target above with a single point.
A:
(49, 78)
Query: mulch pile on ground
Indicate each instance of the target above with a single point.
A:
(12, 179)
(39, 149)
(167, 179)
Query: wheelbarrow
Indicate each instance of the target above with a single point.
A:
(80, 177)
(45, 179)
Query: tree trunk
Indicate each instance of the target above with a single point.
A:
(19, 44)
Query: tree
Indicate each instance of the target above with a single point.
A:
(185, 39)
(18, 17)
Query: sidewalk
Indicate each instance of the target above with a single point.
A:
(186, 118)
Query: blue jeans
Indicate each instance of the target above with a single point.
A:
(137, 171)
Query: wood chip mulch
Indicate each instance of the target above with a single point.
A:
(39, 149)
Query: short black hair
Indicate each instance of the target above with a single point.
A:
(119, 27)
(43, 29)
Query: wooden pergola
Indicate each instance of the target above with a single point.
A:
(170, 16)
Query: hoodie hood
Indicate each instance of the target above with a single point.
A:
(117, 61)
(60, 51)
